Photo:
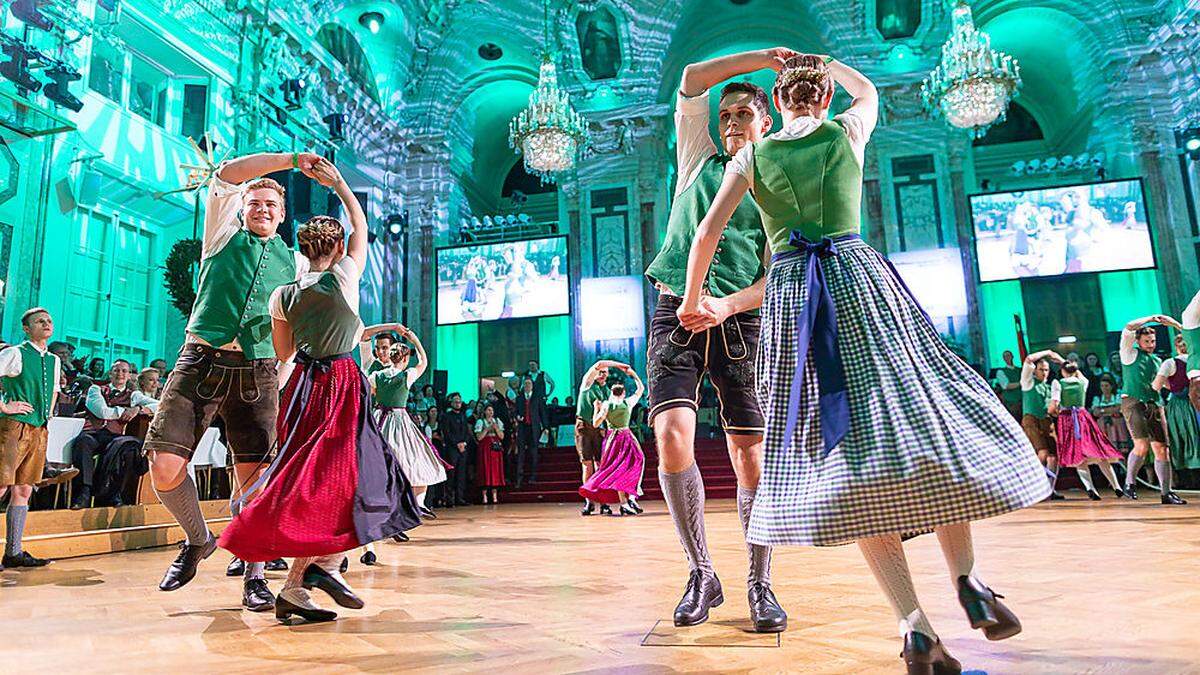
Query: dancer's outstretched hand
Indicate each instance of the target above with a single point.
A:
(325, 173)
(779, 56)
(305, 162)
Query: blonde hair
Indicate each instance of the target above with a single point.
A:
(803, 83)
(269, 184)
(319, 236)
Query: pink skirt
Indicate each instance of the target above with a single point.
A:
(620, 470)
(1080, 439)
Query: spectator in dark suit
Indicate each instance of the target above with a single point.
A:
(531, 417)
(456, 434)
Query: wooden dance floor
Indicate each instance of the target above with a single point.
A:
(1108, 587)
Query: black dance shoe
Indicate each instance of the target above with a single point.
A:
(256, 597)
(1093, 495)
(588, 509)
(427, 513)
(344, 565)
(703, 592)
(368, 558)
(23, 559)
(605, 510)
(1120, 494)
(1131, 491)
(626, 511)
(184, 568)
(1056, 496)
(984, 610)
(765, 612)
(924, 655)
(276, 565)
(284, 609)
(1173, 499)
(635, 506)
(316, 577)
(400, 537)
(236, 568)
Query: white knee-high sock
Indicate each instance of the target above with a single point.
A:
(885, 557)
(958, 549)
(420, 498)
(1085, 476)
(1109, 474)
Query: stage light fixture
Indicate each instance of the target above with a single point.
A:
(395, 225)
(372, 21)
(293, 93)
(337, 126)
(58, 90)
(30, 12)
(16, 69)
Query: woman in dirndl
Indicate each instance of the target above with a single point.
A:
(618, 478)
(875, 429)
(334, 485)
(1081, 444)
(489, 436)
(392, 385)
(1183, 426)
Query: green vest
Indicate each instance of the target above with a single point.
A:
(392, 390)
(235, 285)
(1014, 377)
(1071, 393)
(1033, 401)
(35, 385)
(585, 407)
(1137, 378)
(618, 415)
(1192, 337)
(737, 262)
(322, 323)
(376, 365)
(811, 184)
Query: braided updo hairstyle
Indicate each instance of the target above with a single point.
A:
(319, 237)
(803, 84)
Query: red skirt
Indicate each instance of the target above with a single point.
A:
(491, 462)
(1080, 439)
(335, 485)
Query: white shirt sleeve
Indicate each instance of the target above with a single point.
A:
(366, 354)
(302, 264)
(499, 424)
(742, 164)
(1191, 314)
(1056, 391)
(222, 214)
(99, 407)
(275, 304)
(143, 400)
(693, 142)
(347, 273)
(10, 362)
(1128, 348)
(1027, 376)
(857, 130)
(1001, 379)
(1167, 369)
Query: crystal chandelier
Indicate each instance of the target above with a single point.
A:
(548, 132)
(973, 84)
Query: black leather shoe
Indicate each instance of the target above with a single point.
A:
(1120, 494)
(635, 506)
(23, 559)
(1056, 496)
(626, 511)
(256, 597)
(588, 509)
(985, 610)
(1172, 498)
(605, 510)
(703, 592)
(924, 655)
(82, 499)
(368, 558)
(276, 565)
(315, 577)
(345, 565)
(285, 609)
(400, 537)
(1093, 495)
(765, 612)
(1131, 491)
(184, 568)
(427, 513)
(236, 568)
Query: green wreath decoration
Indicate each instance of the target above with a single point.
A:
(178, 277)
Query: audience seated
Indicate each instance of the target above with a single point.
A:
(109, 459)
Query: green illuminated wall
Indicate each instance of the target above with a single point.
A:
(554, 353)
(458, 355)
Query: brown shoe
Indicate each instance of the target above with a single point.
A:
(924, 655)
(985, 610)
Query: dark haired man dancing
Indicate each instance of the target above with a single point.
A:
(1140, 405)
(724, 344)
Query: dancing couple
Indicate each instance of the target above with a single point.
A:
(875, 430)
(618, 477)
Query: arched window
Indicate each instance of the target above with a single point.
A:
(342, 44)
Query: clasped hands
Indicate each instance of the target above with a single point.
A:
(708, 313)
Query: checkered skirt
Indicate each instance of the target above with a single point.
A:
(929, 443)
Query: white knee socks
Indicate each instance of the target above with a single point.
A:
(885, 557)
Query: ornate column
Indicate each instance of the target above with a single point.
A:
(964, 231)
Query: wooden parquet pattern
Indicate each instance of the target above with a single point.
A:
(1110, 587)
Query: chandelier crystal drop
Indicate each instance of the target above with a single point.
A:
(548, 132)
(973, 84)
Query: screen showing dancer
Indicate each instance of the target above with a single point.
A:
(503, 280)
(1095, 227)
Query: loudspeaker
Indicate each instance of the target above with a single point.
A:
(441, 379)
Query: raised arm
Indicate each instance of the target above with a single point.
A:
(250, 167)
(638, 390)
(702, 76)
(863, 92)
(1054, 356)
(417, 371)
(589, 378)
(356, 246)
(704, 245)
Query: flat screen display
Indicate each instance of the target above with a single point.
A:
(503, 280)
(1045, 232)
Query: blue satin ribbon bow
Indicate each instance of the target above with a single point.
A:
(1075, 422)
